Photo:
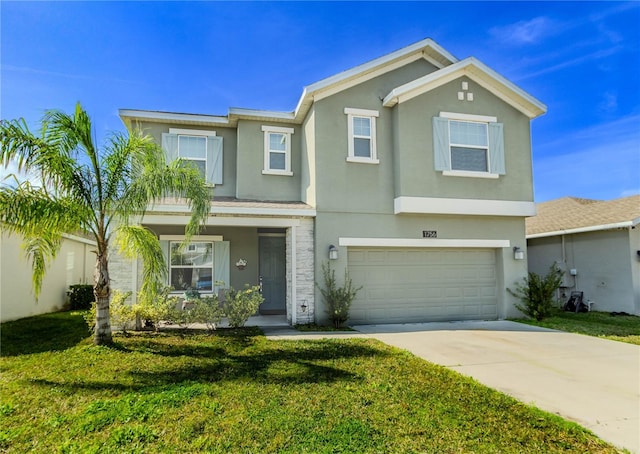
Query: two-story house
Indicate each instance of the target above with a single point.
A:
(412, 171)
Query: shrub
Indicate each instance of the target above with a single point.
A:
(80, 296)
(207, 310)
(122, 315)
(241, 304)
(338, 299)
(537, 293)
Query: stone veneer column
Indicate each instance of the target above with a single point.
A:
(304, 272)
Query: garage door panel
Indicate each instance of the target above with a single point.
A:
(411, 285)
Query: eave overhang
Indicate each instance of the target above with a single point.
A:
(479, 73)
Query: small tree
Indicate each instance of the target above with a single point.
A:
(537, 293)
(338, 299)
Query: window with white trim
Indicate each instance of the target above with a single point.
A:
(192, 152)
(200, 149)
(277, 150)
(361, 129)
(191, 267)
(468, 145)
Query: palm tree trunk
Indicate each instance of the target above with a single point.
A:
(102, 291)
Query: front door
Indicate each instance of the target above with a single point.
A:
(273, 265)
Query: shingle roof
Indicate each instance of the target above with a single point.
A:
(572, 213)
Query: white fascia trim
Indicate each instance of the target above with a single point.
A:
(79, 239)
(472, 207)
(191, 132)
(230, 221)
(237, 211)
(477, 71)
(170, 116)
(592, 228)
(381, 61)
(278, 129)
(194, 238)
(254, 113)
(423, 243)
(468, 117)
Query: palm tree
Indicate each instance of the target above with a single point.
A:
(102, 193)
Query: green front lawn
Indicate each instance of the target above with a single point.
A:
(624, 328)
(236, 391)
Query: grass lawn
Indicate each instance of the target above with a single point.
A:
(236, 391)
(624, 328)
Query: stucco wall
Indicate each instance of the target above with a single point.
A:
(73, 265)
(229, 151)
(331, 226)
(251, 182)
(607, 272)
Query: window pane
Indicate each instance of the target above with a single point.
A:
(361, 147)
(465, 133)
(362, 126)
(277, 161)
(195, 278)
(277, 142)
(194, 254)
(200, 166)
(192, 147)
(472, 159)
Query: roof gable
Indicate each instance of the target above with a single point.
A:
(575, 215)
(479, 73)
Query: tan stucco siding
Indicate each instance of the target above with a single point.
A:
(73, 265)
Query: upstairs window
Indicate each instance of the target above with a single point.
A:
(192, 151)
(361, 128)
(277, 150)
(199, 149)
(468, 145)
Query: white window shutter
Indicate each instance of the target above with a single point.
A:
(496, 149)
(441, 154)
(164, 245)
(221, 259)
(214, 160)
(170, 146)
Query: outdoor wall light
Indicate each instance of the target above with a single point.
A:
(518, 254)
(333, 252)
(304, 306)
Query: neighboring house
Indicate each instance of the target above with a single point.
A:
(597, 245)
(74, 264)
(414, 168)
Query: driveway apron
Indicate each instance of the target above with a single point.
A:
(594, 382)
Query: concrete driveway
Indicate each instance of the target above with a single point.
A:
(591, 381)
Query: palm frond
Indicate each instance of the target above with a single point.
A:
(133, 241)
(40, 251)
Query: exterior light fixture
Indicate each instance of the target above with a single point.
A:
(333, 252)
(304, 306)
(518, 254)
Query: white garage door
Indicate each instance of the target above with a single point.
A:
(401, 285)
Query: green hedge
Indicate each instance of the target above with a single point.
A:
(80, 296)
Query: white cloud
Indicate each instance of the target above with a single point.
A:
(524, 32)
(601, 162)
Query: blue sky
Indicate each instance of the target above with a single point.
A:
(581, 59)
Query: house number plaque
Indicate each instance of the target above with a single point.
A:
(429, 234)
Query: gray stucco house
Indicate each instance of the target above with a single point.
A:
(413, 168)
(597, 245)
